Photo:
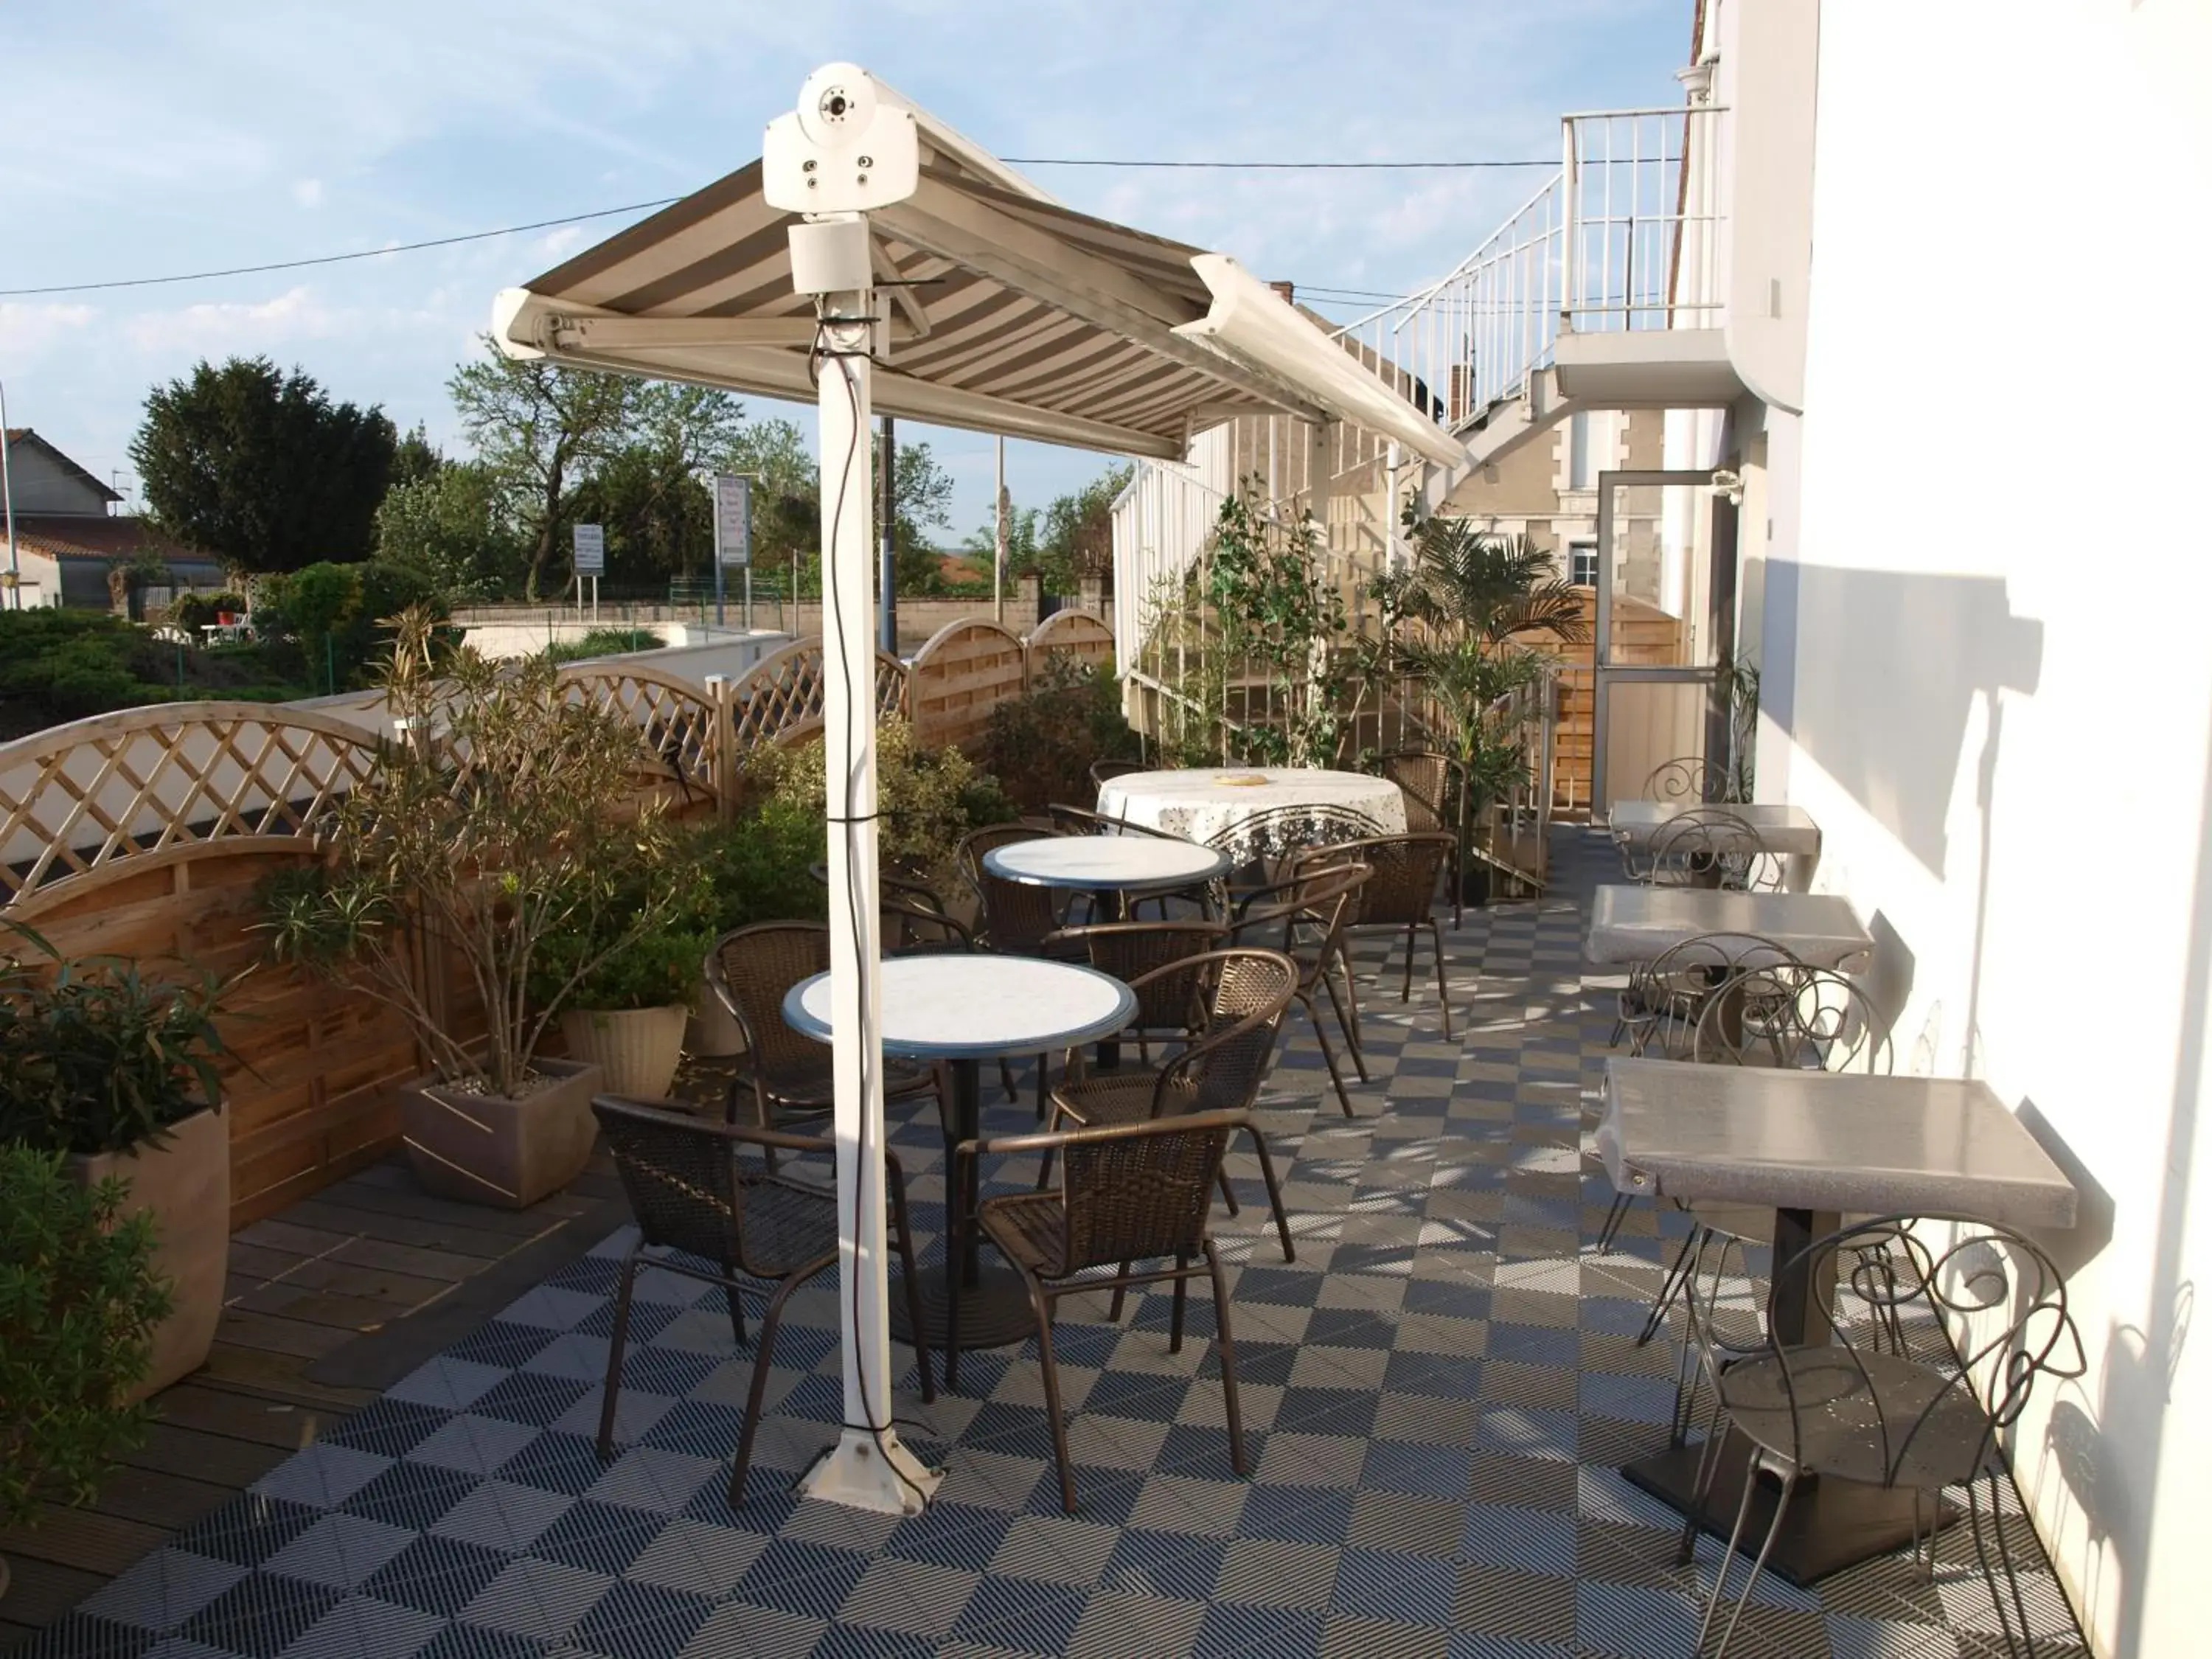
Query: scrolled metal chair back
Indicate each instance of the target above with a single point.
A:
(1665, 998)
(750, 971)
(1712, 846)
(1793, 1018)
(1687, 777)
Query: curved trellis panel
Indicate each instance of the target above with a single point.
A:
(147, 783)
(676, 723)
(1075, 637)
(966, 670)
(785, 690)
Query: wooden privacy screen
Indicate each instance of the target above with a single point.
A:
(143, 835)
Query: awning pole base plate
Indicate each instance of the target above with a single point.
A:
(873, 1472)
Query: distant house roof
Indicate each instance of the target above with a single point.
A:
(22, 437)
(73, 536)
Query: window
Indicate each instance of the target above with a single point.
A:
(1581, 564)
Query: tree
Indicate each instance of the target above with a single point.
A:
(1076, 540)
(537, 427)
(786, 510)
(260, 468)
(1024, 546)
(921, 491)
(416, 458)
(647, 492)
(452, 526)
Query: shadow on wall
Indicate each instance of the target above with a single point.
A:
(1890, 731)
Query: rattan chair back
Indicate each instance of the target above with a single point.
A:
(752, 968)
(1165, 963)
(1429, 780)
(968, 856)
(1305, 915)
(1103, 772)
(1402, 875)
(1224, 1069)
(1141, 1191)
(688, 1182)
(1793, 1018)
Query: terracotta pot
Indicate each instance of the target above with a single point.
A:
(714, 1031)
(636, 1048)
(488, 1149)
(184, 1182)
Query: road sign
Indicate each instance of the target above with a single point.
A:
(733, 520)
(590, 550)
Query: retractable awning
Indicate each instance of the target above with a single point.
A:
(1010, 314)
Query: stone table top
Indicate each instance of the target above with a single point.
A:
(1095, 862)
(1636, 924)
(976, 1007)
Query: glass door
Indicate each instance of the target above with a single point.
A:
(1665, 621)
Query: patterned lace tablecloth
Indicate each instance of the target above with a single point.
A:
(1292, 807)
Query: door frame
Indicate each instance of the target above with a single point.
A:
(1603, 672)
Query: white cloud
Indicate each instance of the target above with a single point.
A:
(27, 330)
(208, 330)
(309, 192)
(557, 244)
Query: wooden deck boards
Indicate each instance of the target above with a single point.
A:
(343, 1272)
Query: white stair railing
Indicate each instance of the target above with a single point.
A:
(1643, 208)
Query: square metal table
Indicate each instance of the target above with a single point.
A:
(1812, 1145)
(1638, 924)
(1787, 832)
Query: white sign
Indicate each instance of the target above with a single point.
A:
(733, 520)
(590, 550)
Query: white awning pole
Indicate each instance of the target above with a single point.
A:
(868, 1468)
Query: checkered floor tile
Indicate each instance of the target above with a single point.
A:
(1438, 1393)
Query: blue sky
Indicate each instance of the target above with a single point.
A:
(152, 138)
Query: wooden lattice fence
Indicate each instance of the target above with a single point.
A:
(965, 671)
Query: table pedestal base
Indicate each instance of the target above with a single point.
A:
(1832, 1524)
(994, 1311)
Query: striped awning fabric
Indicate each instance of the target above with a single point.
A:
(1008, 313)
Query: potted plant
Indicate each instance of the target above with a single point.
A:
(627, 1012)
(1471, 598)
(757, 868)
(501, 818)
(80, 1304)
(116, 1074)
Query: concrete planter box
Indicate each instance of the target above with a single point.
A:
(637, 1049)
(184, 1182)
(488, 1149)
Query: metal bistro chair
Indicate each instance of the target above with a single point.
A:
(1936, 1351)
(1687, 777)
(695, 1201)
(1133, 1193)
(1791, 1017)
(1434, 785)
(751, 970)
(1244, 995)
(1400, 894)
(1712, 846)
(1306, 917)
(1661, 1005)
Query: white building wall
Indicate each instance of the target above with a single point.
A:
(2005, 733)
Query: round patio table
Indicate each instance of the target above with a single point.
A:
(964, 1010)
(1107, 864)
(1256, 812)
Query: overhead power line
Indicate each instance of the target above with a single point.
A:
(664, 201)
(1272, 166)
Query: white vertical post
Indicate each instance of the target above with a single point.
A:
(869, 1468)
(8, 503)
(1002, 530)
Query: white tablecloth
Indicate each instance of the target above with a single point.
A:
(1294, 807)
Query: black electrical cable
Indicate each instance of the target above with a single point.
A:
(848, 821)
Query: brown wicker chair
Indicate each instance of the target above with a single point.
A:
(751, 970)
(1134, 1192)
(1434, 785)
(694, 1196)
(1139, 953)
(1399, 895)
(1304, 918)
(1103, 772)
(1241, 996)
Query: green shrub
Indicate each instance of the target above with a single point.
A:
(606, 643)
(1040, 746)
(337, 618)
(925, 798)
(757, 868)
(79, 1300)
(95, 1057)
